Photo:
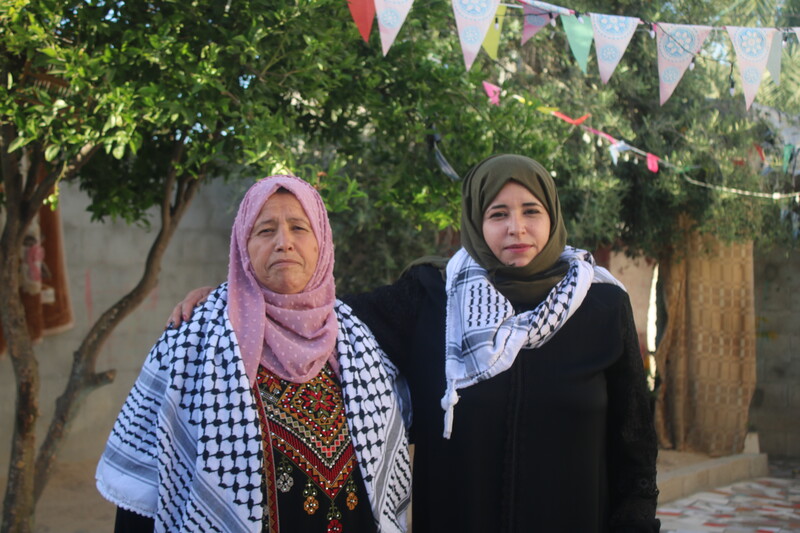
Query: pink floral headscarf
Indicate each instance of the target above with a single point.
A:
(292, 335)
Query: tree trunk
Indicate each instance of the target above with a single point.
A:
(18, 504)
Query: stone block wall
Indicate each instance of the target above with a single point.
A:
(775, 409)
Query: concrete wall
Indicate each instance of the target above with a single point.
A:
(775, 410)
(103, 262)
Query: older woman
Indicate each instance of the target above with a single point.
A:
(530, 406)
(272, 408)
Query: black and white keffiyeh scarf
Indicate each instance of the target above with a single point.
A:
(484, 335)
(186, 448)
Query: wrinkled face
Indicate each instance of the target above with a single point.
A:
(282, 246)
(516, 226)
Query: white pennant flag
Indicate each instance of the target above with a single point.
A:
(752, 47)
(472, 19)
(677, 46)
(612, 34)
(391, 14)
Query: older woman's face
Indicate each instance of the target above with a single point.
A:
(516, 225)
(282, 247)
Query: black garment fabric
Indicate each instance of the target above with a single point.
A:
(561, 442)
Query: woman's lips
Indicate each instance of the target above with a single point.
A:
(519, 247)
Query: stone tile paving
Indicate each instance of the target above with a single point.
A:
(762, 505)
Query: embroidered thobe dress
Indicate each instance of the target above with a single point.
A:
(312, 479)
(313, 482)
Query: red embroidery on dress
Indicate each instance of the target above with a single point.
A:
(308, 425)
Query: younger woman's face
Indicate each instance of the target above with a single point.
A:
(516, 225)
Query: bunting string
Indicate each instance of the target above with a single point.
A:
(655, 163)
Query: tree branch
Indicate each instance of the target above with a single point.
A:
(83, 378)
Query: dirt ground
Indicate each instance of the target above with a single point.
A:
(71, 504)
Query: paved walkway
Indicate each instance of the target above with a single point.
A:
(763, 505)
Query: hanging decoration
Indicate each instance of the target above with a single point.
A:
(363, 13)
(612, 34)
(774, 59)
(534, 19)
(655, 163)
(752, 51)
(492, 40)
(756, 49)
(579, 34)
(493, 92)
(677, 46)
(473, 18)
(391, 16)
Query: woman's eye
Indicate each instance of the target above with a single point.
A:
(497, 214)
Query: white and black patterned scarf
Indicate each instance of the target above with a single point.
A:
(186, 447)
(484, 335)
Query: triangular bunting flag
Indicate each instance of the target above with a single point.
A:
(611, 37)
(391, 15)
(492, 39)
(774, 59)
(752, 51)
(493, 92)
(534, 20)
(677, 46)
(579, 35)
(363, 12)
(788, 153)
(473, 19)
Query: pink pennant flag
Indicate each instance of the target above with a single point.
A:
(363, 12)
(534, 20)
(652, 162)
(677, 46)
(612, 34)
(472, 19)
(752, 51)
(493, 92)
(391, 15)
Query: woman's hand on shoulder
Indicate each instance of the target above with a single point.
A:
(183, 310)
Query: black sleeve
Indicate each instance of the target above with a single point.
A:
(633, 446)
(130, 522)
(391, 312)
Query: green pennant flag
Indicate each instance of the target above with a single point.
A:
(788, 152)
(580, 35)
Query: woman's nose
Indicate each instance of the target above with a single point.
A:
(283, 239)
(515, 224)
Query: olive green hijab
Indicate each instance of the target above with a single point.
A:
(528, 284)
